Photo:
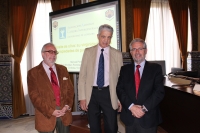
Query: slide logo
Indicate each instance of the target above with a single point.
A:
(62, 33)
(109, 14)
(55, 24)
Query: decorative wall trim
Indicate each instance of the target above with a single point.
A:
(5, 86)
(5, 58)
(193, 61)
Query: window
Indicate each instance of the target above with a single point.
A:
(161, 36)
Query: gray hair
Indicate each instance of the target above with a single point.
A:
(137, 40)
(44, 46)
(105, 27)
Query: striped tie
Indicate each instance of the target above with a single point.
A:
(55, 86)
(100, 74)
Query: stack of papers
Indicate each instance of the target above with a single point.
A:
(179, 81)
(197, 87)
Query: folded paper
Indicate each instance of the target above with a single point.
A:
(197, 87)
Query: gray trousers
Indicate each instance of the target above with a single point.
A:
(60, 128)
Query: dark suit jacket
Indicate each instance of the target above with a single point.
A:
(42, 96)
(150, 94)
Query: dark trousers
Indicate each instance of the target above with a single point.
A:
(100, 101)
(136, 128)
(60, 128)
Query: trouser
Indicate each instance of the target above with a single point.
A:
(60, 128)
(136, 128)
(100, 102)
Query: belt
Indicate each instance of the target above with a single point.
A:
(100, 88)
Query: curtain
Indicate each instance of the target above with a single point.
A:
(141, 9)
(40, 34)
(190, 37)
(179, 9)
(161, 39)
(22, 13)
(60, 4)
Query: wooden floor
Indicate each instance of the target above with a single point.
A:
(80, 123)
(161, 130)
(27, 125)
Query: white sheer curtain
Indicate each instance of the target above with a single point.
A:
(161, 37)
(189, 47)
(40, 35)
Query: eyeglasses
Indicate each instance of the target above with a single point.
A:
(52, 52)
(139, 49)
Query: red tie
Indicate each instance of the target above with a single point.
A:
(137, 79)
(56, 88)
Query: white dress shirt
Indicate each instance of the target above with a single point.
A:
(48, 72)
(106, 65)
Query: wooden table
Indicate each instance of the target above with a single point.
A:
(180, 109)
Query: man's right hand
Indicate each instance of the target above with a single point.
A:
(83, 105)
(136, 111)
(58, 113)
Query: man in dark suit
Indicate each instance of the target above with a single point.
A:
(96, 98)
(51, 92)
(140, 90)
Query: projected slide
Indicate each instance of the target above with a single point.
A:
(73, 32)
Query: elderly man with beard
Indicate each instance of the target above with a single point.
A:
(140, 90)
(51, 92)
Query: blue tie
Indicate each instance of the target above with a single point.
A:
(100, 74)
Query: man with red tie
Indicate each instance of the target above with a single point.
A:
(140, 90)
(51, 92)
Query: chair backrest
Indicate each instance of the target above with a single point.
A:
(175, 69)
(162, 63)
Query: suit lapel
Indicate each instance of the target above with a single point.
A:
(144, 78)
(93, 56)
(59, 73)
(132, 77)
(112, 62)
(44, 78)
(145, 72)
